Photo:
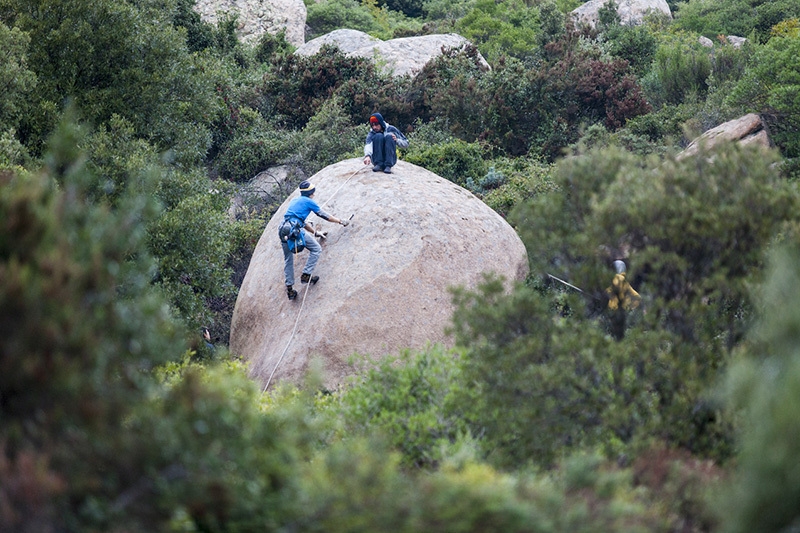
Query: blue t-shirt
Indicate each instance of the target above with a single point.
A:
(301, 207)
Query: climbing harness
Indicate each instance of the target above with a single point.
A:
(305, 292)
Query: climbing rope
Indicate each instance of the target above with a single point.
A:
(305, 292)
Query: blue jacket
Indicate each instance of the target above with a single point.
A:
(402, 142)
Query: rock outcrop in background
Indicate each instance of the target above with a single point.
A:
(383, 279)
(405, 55)
(747, 130)
(257, 17)
(630, 11)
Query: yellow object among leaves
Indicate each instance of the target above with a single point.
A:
(621, 294)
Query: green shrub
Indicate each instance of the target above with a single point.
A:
(770, 86)
(635, 44)
(410, 401)
(329, 137)
(735, 17)
(763, 386)
(324, 17)
(15, 77)
(505, 28)
(250, 152)
(456, 161)
(522, 180)
(680, 71)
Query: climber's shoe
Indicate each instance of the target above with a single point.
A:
(306, 278)
(290, 292)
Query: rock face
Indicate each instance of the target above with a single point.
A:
(731, 40)
(748, 129)
(259, 16)
(630, 11)
(266, 187)
(383, 279)
(406, 55)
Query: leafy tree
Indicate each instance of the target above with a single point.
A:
(117, 58)
(297, 87)
(81, 328)
(504, 28)
(737, 17)
(456, 161)
(635, 44)
(764, 387)
(680, 71)
(693, 232)
(770, 86)
(16, 80)
(324, 17)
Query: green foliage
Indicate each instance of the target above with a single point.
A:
(680, 71)
(324, 17)
(270, 45)
(456, 161)
(764, 387)
(635, 44)
(199, 34)
(329, 136)
(117, 58)
(410, 400)
(81, 327)
(194, 271)
(522, 180)
(410, 8)
(502, 28)
(771, 86)
(446, 10)
(297, 87)
(254, 149)
(16, 79)
(734, 17)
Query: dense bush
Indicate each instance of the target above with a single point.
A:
(521, 179)
(734, 17)
(763, 386)
(297, 87)
(117, 58)
(324, 17)
(680, 71)
(252, 151)
(329, 137)
(456, 161)
(15, 77)
(504, 28)
(771, 87)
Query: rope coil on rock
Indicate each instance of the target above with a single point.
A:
(305, 292)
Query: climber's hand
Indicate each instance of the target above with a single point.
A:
(344, 223)
(321, 234)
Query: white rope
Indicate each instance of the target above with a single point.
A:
(300, 311)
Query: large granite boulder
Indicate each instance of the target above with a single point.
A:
(631, 12)
(405, 55)
(747, 130)
(383, 279)
(257, 17)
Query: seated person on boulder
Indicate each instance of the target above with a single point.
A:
(382, 142)
(293, 236)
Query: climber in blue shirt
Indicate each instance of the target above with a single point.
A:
(292, 233)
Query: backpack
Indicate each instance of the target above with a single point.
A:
(291, 232)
